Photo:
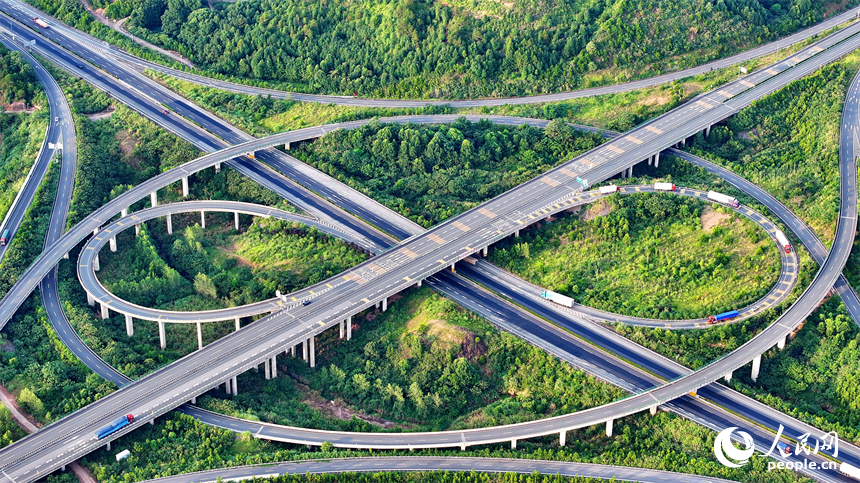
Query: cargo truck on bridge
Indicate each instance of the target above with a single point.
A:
(664, 187)
(783, 241)
(41, 23)
(849, 470)
(605, 190)
(731, 314)
(114, 426)
(557, 298)
(724, 199)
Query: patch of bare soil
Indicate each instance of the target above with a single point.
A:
(600, 208)
(711, 218)
(746, 134)
(98, 116)
(655, 100)
(339, 410)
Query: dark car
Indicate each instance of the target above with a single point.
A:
(307, 302)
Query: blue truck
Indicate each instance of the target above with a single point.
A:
(731, 314)
(114, 426)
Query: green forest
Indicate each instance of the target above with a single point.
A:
(647, 255)
(22, 137)
(433, 48)
(430, 173)
(18, 81)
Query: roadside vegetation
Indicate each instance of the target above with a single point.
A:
(430, 173)
(422, 48)
(657, 256)
(9, 429)
(22, 137)
(18, 81)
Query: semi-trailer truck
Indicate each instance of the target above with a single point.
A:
(731, 314)
(664, 187)
(849, 470)
(5, 238)
(724, 199)
(114, 426)
(783, 242)
(40, 22)
(609, 189)
(557, 298)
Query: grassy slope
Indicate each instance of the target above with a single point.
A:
(648, 257)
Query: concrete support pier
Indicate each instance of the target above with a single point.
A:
(305, 350)
(707, 131)
(185, 186)
(312, 351)
(162, 337)
(217, 168)
(90, 300)
(486, 250)
(96, 266)
(349, 328)
(756, 367)
(238, 323)
(342, 328)
(266, 367)
(653, 410)
(113, 244)
(137, 229)
(286, 146)
(273, 366)
(129, 325)
(153, 199)
(728, 377)
(513, 444)
(562, 438)
(657, 160)
(236, 219)
(385, 300)
(202, 219)
(419, 284)
(235, 384)
(124, 213)
(105, 310)
(169, 224)
(609, 428)
(199, 335)
(781, 343)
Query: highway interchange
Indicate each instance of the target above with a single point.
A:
(840, 267)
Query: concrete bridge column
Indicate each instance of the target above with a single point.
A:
(194, 400)
(657, 160)
(162, 337)
(105, 310)
(650, 160)
(517, 233)
(453, 268)
(312, 351)
(96, 265)
(630, 172)
(124, 213)
(274, 366)
(305, 350)
(486, 250)
(113, 244)
(707, 131)
(419, 284)
(66, 255)
(293, 350)
(90, 300)
(169, 224)
(217, 168)
(153, 199)
(385, 300)
(235, 383)
(238, 323)
(202, 219)
(609, 428)
(108, 445)
(95, 231)
(340, 326)
(349, 328)
(286, 146)
(137, 229)
(781, 343)
(199, 335)
(266, 367)
(562, 438)
(756, 367)
(653, 410)
(129, 325)
(236, 219)
(728, 377)
(513, 444)
(185, 186)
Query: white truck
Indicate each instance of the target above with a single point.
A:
(557, 298)
(664, 187)
(849, 470)
(783, 241)
(605, 190)
(724, 199)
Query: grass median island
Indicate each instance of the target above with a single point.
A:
(648, 255)
(430, 173)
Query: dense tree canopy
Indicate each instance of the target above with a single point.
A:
(455, 49)
(18, 81)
